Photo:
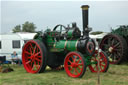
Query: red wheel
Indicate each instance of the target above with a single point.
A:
(74, 64)
(34, 56)
(104, 63)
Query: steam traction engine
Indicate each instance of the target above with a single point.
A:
(115, 45)
(64, 46)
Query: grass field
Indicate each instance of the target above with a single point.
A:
(116, 75)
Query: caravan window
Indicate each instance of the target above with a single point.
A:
(16, 44)
(0, 44)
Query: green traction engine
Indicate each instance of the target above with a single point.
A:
(64, 46)
(115, 44)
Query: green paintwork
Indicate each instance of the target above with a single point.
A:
(122, 31)
(64, 45)
(61, 45)
(88, 60)
(69, 34)
(71, 45)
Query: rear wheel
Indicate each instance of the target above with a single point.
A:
(115, 47)
(74, 64)
(103, 62)
(34, 56)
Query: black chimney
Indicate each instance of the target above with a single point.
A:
(86, 30)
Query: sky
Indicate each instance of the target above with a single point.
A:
(102, 14)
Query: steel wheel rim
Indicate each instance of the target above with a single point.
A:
(113, 49)
(103, 63)
(74, 65)
(32, 57)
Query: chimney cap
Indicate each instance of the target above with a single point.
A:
(85, 7)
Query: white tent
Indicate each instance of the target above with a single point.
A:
(99, 36)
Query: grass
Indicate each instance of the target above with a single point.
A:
(116, 75)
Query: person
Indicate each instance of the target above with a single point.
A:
(15, 58)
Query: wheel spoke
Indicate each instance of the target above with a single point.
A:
(36, 54)
(28, 58)
(100, 68)
(35, 64)
(117, 56)
(113, 57)
(37, 59)
(71, 68)
(33, 67)
(80, 64)
(117, 49)
(74, 59)
(37, 50)
(28, 62)
(113, 41)
(97, 68)
(109, 40)
(31, 63)
(101, 61)
(31, 47)
(117, 44)
(34, 50)
(69, 61)
(106, 45)
(78, 61)
(28, 53)
(94, 67)
(69, 65)
(110, 56)
(79, 68)
(76, 71)
(102, 65)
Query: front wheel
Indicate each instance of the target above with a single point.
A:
(103, 62)
(74, 64)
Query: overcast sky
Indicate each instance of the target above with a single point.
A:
(102, 14)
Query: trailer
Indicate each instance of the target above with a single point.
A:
(10, 42)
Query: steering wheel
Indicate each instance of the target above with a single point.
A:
(60, 28)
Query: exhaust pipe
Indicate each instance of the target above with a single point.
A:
(86, 30)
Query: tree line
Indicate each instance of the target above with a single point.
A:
(30, 27)
(26, 27)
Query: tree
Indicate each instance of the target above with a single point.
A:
(17, 28)
(28, 27)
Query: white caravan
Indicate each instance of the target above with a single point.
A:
(13, 42)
